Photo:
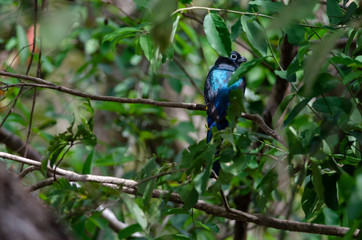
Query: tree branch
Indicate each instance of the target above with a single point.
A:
(14, 143)
(41, 83)
(129, 186)
(45, 84)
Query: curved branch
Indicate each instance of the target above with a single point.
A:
(129, 186)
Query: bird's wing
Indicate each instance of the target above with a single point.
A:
(216, 92)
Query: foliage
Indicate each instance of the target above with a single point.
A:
(141, 49)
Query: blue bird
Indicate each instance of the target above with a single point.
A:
(216, 93)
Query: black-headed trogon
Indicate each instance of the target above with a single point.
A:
(216, 93)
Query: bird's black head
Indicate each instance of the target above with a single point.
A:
(236, 58)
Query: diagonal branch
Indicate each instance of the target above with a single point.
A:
(129, 186)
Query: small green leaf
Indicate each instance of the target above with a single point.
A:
(351, 9)
(308, 199)
(23, 47)
(333, 105)
(128, 231)
(174, 28)
(299, 107)
(189, 196)
(254, 33)
(217, 34)
(177, 236)
(295, 34)
(244, 68)
(135, 210)
(325, 83)
(236, 29)
(236, 107)
(334, 12)
(87, 167)
(119, 34)
(317, 180)
(317, 59)
(199, 224)
(330, 193)
(201, 180)
(147, 47)
(268, 6)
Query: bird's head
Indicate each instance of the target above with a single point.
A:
(237, 58)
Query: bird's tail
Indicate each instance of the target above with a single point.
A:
(216, 165)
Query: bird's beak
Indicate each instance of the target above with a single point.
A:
(242, 59)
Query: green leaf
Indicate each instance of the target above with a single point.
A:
(330, 193)
(55, 154)
(236, 107)
(317, 181)
(236, 29)
(308, 199)
(268, 6)
(174, 28)
(295, 34)
(160, 15)
(333, 105)
(334, 12)
(147, 47)
(128, 231)
(243, 69)
(354, 206)
(135, 211)
(294, 142)
(351, 9)
(119, 34)
(201, 180)
(254, 33)
(299, 107)
(284, 75)
(23, 47)
(191, 156)
(317, 59)
(346, 60)
(326, 82)
(189, 196)
(87, 167)
(217, 34)
(295, 11)
(199, 224)
(173, 236)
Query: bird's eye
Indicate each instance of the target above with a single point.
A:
(233, 57)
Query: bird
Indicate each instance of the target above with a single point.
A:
(216, 93)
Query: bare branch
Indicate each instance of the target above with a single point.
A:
(129, 186)
(258, 120)
(46, 84)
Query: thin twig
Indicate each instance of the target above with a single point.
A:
(179, 64)
(28, 170)
(224, 199)
(260, 122)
